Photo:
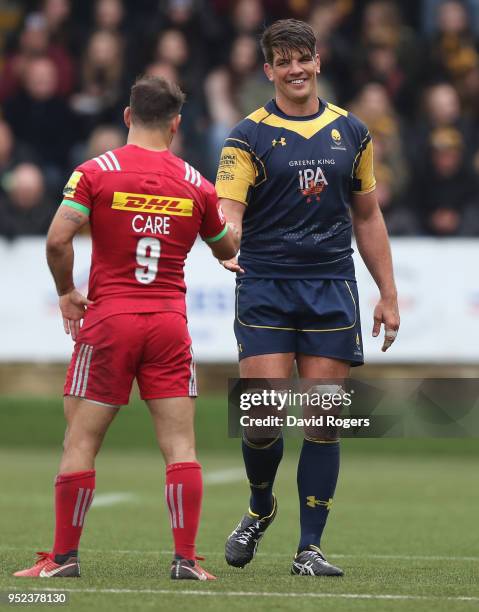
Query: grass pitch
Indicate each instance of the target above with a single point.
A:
(403, 526)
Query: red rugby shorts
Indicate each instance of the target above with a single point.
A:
(155, 348)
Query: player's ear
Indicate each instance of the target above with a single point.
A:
(268, 71)
(127, 117)
(175, 124)
(318, 63)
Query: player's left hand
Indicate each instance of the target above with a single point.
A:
(73, 306)
(386, 313)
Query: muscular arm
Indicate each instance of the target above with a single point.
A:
(234, 212)
(373, 245)
(227, 246)
(66, 223)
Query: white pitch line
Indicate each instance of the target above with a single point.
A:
(263, 594)
(288, 555)
(213, 553)
(224, 476)
(111, 499)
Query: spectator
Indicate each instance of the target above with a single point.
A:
(25, 209)
(98, 100)
(441, 108)
(57, 15)
(399, 218)
(34, 42)
(103, 138)
(233, 91)
(453, 52)
(6, 146)
(172, 47)
(334, 51)
(446, 193)
(11, 152)
(199, 24)
(430, 10)
(373, 106)
(41, 119)
(109, 15)
(389, 54)
(248, 17)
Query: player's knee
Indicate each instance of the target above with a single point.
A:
(250, 439)
(178, 450)
(86, 443)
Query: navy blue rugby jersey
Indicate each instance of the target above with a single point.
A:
(296, 176)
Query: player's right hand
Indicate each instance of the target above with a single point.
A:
(73, 306)
(232, 265)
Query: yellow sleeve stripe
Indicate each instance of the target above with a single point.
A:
(364, 143)
(363, 171)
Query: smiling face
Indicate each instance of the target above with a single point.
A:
(294, 76)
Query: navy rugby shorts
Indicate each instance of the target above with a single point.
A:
(313, 317)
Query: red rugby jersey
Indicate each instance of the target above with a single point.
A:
(146, 209)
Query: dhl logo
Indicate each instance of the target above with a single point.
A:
(160, 205)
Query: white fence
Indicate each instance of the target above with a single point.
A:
(438, 284)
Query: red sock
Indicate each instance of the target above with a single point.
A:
(73, 496)
(183, 493)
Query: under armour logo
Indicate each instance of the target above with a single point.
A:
(312, 502)
(281, 141)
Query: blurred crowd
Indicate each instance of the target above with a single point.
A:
(408, 68)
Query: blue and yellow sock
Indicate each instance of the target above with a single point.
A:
(318, 470)
(261, 463)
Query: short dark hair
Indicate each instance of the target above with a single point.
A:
(154, 101)
(287, 35)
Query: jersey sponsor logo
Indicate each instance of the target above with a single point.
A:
(312, 162)
(70, 187)
(312, 183)
(228, 160)
(156, 204)
(227, 165)
(223, 175)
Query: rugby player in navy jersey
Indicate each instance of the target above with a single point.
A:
(297, 176)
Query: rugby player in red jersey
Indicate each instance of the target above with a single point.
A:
(145, 208)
